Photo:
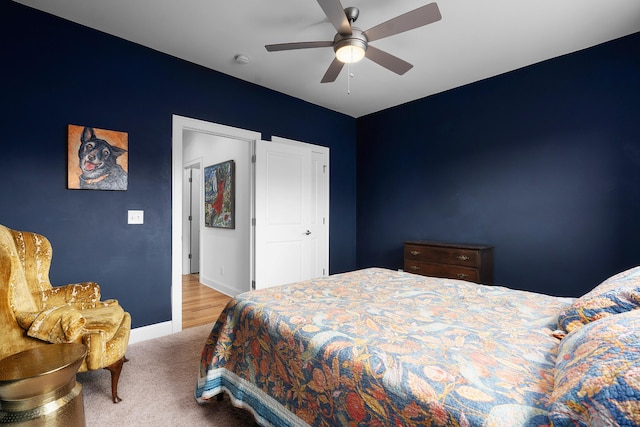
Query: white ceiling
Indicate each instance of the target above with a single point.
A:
(474, 40)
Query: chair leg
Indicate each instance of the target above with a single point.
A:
(115, 370)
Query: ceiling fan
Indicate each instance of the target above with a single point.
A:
(351, 44)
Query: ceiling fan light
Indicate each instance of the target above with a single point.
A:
(350, 54)
(351, 48)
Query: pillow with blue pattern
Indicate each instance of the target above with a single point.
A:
(617, 294)
(597, 378)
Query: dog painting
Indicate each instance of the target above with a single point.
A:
(97, 159)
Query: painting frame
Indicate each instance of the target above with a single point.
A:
(220, 195)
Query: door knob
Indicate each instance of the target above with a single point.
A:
(307, 232)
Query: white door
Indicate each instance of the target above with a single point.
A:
(291, 209)
(195, 221)
(191, 222)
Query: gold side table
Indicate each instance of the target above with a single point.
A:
(38, 387)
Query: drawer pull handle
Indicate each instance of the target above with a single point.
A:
(461, 275)
(414, 253)
(415, 268)
(463, 257)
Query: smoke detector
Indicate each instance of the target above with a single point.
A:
(241, 59)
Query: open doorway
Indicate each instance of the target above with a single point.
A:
(227, 260)
(226, 255)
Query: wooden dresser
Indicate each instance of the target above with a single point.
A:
(452, 260)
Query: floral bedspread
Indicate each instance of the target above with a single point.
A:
(377, 347)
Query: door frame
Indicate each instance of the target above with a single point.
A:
(179, 125)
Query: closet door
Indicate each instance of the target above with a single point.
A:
(291, 208)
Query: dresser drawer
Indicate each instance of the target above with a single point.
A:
(442, 270)
(469, 262)
(442, 255)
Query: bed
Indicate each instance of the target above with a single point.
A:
(377, 347)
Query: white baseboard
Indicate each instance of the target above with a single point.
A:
(156, 330)
(217, 286)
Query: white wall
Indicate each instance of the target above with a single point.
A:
(224, 253)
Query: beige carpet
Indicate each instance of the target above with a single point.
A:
(157, 388)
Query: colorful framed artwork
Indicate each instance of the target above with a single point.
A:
(219, 195)
(97, 159)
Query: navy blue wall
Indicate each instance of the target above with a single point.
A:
(57, 73)
(542, 162)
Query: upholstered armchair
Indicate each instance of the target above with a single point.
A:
(33, 312)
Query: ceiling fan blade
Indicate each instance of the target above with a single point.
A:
(408, 21)
(335, 12)
(332, 72)
(297, 45)
(388, 61)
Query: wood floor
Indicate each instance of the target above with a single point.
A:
(201, 305)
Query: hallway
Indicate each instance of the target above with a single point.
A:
(200, 304)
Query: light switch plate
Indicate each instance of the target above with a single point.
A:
(136, 217)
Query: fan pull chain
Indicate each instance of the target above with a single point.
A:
(350, 75)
